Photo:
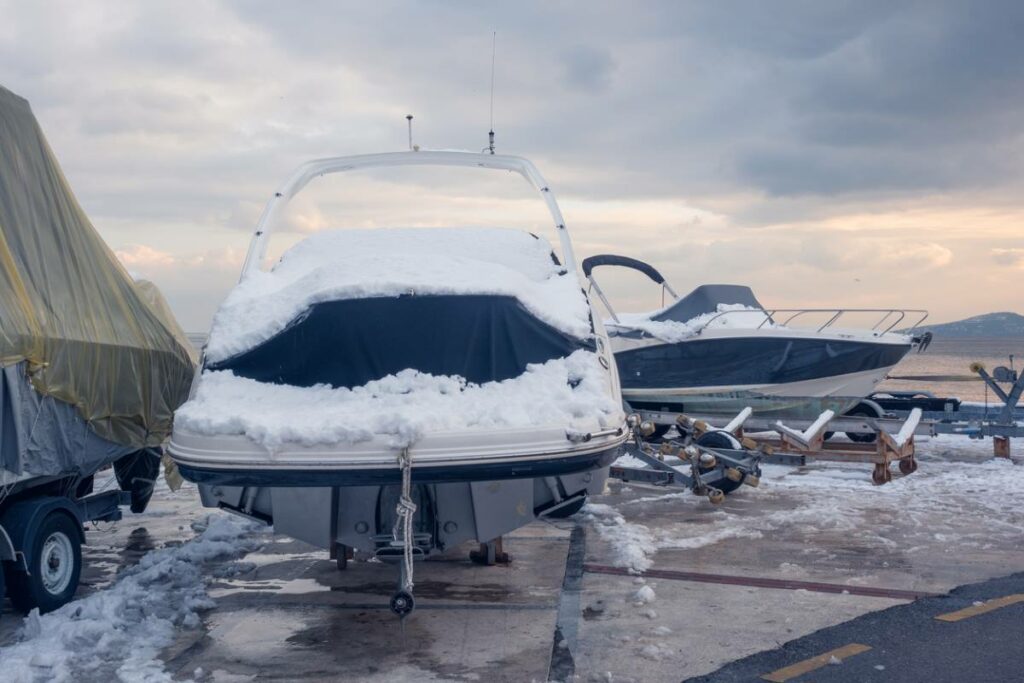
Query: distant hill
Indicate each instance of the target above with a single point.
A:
(1003, 324)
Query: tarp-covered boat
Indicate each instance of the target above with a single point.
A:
(90, 370)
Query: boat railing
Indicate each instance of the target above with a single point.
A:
(890, 317)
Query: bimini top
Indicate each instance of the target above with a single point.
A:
(68, 310)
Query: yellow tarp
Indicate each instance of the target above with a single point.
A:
(69, 308)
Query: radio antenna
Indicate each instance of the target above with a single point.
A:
(490, 133)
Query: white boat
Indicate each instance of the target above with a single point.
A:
(718, 350)
(463, 369)
(350, 309)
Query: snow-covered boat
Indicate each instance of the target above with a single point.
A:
(472, 348)
(467, 359)
(718, 350)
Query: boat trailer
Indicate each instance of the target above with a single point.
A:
(709, 462)
(951, 416)
(883, 441)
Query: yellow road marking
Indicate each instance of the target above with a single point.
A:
(988, 606)
(807, 665)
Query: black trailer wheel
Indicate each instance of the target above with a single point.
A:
(865, 410)
(659, 431)
(55, 565)
(724, 440)
(402, 604)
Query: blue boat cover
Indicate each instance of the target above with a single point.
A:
(349, 342)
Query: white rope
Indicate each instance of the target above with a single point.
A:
(405, 510)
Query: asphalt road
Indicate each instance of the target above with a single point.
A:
(907, 643)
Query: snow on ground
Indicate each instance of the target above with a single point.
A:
(118, 633)
(350, 264)
(741, 317)
(572, 392)
(960, 495)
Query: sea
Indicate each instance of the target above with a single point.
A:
(953, 357)
(944, 357)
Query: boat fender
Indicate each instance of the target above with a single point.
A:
(21, 522)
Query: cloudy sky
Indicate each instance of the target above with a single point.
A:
(843, 153)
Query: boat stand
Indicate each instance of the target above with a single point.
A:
(785, 444)
(346, 519)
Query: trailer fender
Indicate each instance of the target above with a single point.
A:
(21, 522)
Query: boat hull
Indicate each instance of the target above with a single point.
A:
(775, 376)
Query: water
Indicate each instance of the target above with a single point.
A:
(954, 357)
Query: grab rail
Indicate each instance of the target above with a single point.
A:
(770, 315)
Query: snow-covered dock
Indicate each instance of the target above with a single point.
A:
(643, 585)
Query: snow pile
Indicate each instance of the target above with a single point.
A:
(644, 596)
(632, 544)
(571, 391)
(121, 630)
(352, 264)
(742, 317)
(957, 484)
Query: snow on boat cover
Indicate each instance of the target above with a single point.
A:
(470, 375)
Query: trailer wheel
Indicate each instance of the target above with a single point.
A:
(660, 431)
(722, 439)
(864, 410)
(55, 566)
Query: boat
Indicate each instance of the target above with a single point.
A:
(717, 350)
(92, 367)
(462, 368)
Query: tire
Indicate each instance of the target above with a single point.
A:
(864, 410)
(55, 566)
(660, 431)
(720, 439)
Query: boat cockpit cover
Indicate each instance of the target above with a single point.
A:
(71, 315)
(349, 342)
(706, 299)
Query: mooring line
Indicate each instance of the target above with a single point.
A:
(759, 582)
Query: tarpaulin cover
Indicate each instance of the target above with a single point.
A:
(347, 343)
(72, 319)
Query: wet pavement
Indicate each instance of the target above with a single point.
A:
(568, 606)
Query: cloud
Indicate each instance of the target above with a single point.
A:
(1013, 256)
(139, 257)
(898, 123)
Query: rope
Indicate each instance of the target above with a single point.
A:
(405, 510)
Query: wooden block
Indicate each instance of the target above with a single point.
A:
(1001, 446)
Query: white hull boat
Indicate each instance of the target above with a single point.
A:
(401, 391)
(717, 351)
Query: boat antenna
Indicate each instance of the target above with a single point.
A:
(408, 117)
(490, 133)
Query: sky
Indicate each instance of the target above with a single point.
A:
(858, 154)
